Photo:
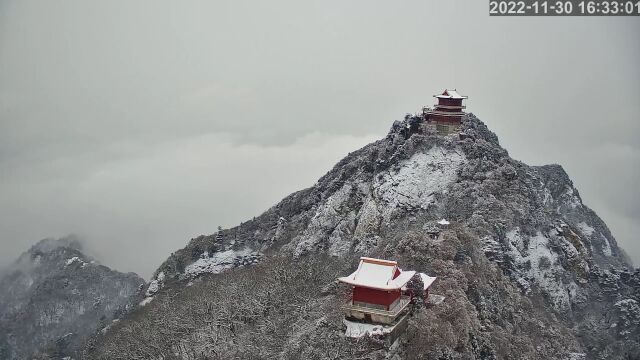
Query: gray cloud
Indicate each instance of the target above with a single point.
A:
(140, 124)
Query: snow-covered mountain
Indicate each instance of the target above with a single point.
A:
(54, 297)
(525, 269)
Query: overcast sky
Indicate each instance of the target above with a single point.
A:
(140, 124)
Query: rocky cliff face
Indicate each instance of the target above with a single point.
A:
(53, 297)
(526, 269)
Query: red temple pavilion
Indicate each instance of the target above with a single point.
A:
(379, 290)
(447, 114)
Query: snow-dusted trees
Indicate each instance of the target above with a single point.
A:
(255, 312)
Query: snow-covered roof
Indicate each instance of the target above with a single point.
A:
(450, 94)
(378, 274)
(427, 280)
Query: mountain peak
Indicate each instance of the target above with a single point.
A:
(520, 259)
(50, 244)
(54, 296)
(415, 172)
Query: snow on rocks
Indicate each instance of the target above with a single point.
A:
(606, 247)
(281, 226)
(584, 232)
(72, 260)
(155, 285)
(337, 227)
(570, 198)
(340, 237)
(328, 222)
(419, 178)
(75, 259)
(585, 229)
(629, 314)
(547, 198)
(365, 233)
(591, 234)
(153, 288)
(220, 261)
(537, 263)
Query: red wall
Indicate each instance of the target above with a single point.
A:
(373, 296)
(448, 110)
(450, 102)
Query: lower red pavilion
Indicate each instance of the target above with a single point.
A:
(379, 290)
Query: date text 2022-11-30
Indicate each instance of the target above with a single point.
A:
(565, 8)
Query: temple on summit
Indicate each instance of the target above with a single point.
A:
(447, 113)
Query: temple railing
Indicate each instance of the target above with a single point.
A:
(444, 113)
(400, 306)
(453, 107)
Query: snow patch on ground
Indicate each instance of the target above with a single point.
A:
(146, 301)
(434, 299)
(220, 261)
(576, 356)
(419, 179)
(357, 330)
(108, 327)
